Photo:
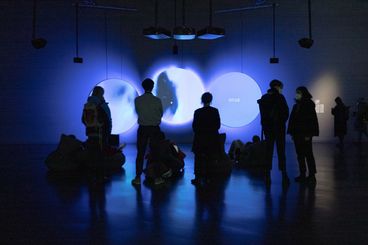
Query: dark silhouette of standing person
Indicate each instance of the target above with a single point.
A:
(206, 142)
(303, 125)
(341, 116)
(149, 111)
(96, 117)
(274, 114)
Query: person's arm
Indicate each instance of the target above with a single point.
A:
(217, 120)
(312, 119)
(195, 122)
(136, 106)
(290, 128)
(161, 110)
(284, 108)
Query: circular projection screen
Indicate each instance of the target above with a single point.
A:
(120, 97)
(235, 94)
(180, 91)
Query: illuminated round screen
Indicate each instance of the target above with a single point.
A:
(120, 97)
(235, 94)
(180, 91)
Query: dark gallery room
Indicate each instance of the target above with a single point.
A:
(184, 122)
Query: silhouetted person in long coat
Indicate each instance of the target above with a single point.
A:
(303, 125)
(206, 123)
(274, 114)
(341, 116)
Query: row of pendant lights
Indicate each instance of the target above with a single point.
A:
(183, 32)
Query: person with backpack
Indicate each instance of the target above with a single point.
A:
(274, 114)
(303, 125)
(150, 111)
(341, 116)
(97, 119)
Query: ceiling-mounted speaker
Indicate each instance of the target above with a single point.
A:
(40, 42)
(274, 60)
(307, 42)
(78, 60)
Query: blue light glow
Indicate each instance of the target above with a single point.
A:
(180, 91)
(235, 94)
(120, 95)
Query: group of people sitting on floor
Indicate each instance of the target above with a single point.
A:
(250, 154)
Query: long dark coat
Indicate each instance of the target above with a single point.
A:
(303, 119)
(206, 123)
(341, 116)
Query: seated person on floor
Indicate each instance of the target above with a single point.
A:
(97, 119)
(250, 154)
(164, 160)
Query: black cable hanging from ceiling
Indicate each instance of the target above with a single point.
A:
(106, 47)
(77, 59)
(175, 48)
(274, 59)
(40, 42)
(307, 42)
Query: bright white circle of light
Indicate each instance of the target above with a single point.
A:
(235, 94)
(180, 93)
(120, 97)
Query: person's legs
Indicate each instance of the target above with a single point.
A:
(270, 142)
(142, 140)
(341, 141)
(280, 144)
(299, 142)
(197, 169)
(310, 159)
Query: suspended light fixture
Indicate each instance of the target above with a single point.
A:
(156, 32)
(307, 42)
(184, 32)
(37, 42)
(77, 59)
(210, 32)
(274, 59)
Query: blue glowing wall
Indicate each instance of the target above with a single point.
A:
(43, 91)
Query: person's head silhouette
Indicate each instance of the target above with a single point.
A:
(148, 84)
(98, 92)
(277, 84)
(206, 98)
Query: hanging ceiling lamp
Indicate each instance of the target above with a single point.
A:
(210, 32)
(274, 59)
(184, 32)
(37, 42)
(307, 42)
(156, 32)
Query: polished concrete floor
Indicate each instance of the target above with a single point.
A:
(41, 208)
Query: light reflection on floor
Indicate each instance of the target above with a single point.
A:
(239, 211)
